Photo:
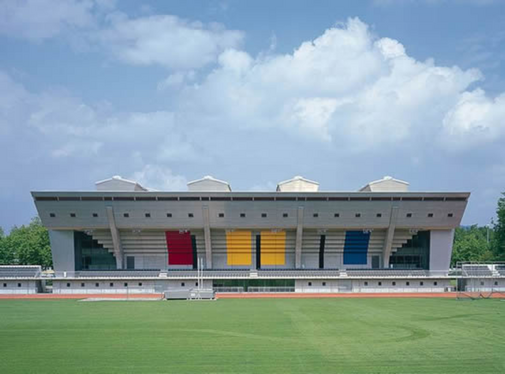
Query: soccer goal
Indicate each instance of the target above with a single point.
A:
(476, 280)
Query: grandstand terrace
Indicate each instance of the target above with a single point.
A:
(381, 237)
(20, 279)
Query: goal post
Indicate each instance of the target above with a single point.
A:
(480, 280)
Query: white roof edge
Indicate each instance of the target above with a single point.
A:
(73, 192)
(207, 178)
(298, 178)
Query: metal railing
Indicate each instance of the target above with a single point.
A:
(229, 289)
(270, 289)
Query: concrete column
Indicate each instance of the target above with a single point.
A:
(299, 238)
(62, 249)
(440, 250)
(206, 232)
(388, 242)
(116, 238)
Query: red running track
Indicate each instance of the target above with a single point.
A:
(83, 296)
(292, 295)
(446, 295)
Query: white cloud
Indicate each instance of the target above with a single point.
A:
(58, 128)
(347, 87)
(41, 19)
(312, 116)
(166, 40)
(475, 119)
(390, 48)
(12, 99)
(87, 149)
(176, 80)
(235, 61)
(160, 178)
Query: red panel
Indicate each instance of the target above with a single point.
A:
(180, 249)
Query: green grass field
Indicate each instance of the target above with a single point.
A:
(253, 336)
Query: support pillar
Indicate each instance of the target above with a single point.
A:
(206, 232)
(299, 238)
(116, 238)
(388, 242)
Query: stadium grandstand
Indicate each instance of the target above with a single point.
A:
(124, 236)
(20, 279)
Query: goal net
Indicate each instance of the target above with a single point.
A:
(477, 280)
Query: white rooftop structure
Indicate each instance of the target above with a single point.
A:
(386, 184)
(117, 183)
(298, 184)
(209, 184)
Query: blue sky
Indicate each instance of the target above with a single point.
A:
(252, 92)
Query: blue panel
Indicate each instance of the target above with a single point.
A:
(356, 247)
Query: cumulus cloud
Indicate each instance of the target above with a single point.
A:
(59, 128)
(160, 178)
(311, 115)
(176, 80)
(12, 98)
(41, 19)
(346, 86)
(166, 40)
(475, 119)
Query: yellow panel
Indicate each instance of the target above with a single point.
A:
(273, 248)
(239, 247)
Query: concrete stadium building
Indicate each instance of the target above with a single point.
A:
(124, 237)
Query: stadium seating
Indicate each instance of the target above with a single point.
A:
(386, 273)
(117, 273)
(209, 273)
(477, 271)
(289, 273)
(312, 273)
(227, 273)
(19, 271)
(263, 273)
(501, 270)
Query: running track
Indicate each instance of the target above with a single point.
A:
(446, 295)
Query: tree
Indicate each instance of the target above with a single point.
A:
(499, 230)
(471, 244)
(27, 245)
(5, 256)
